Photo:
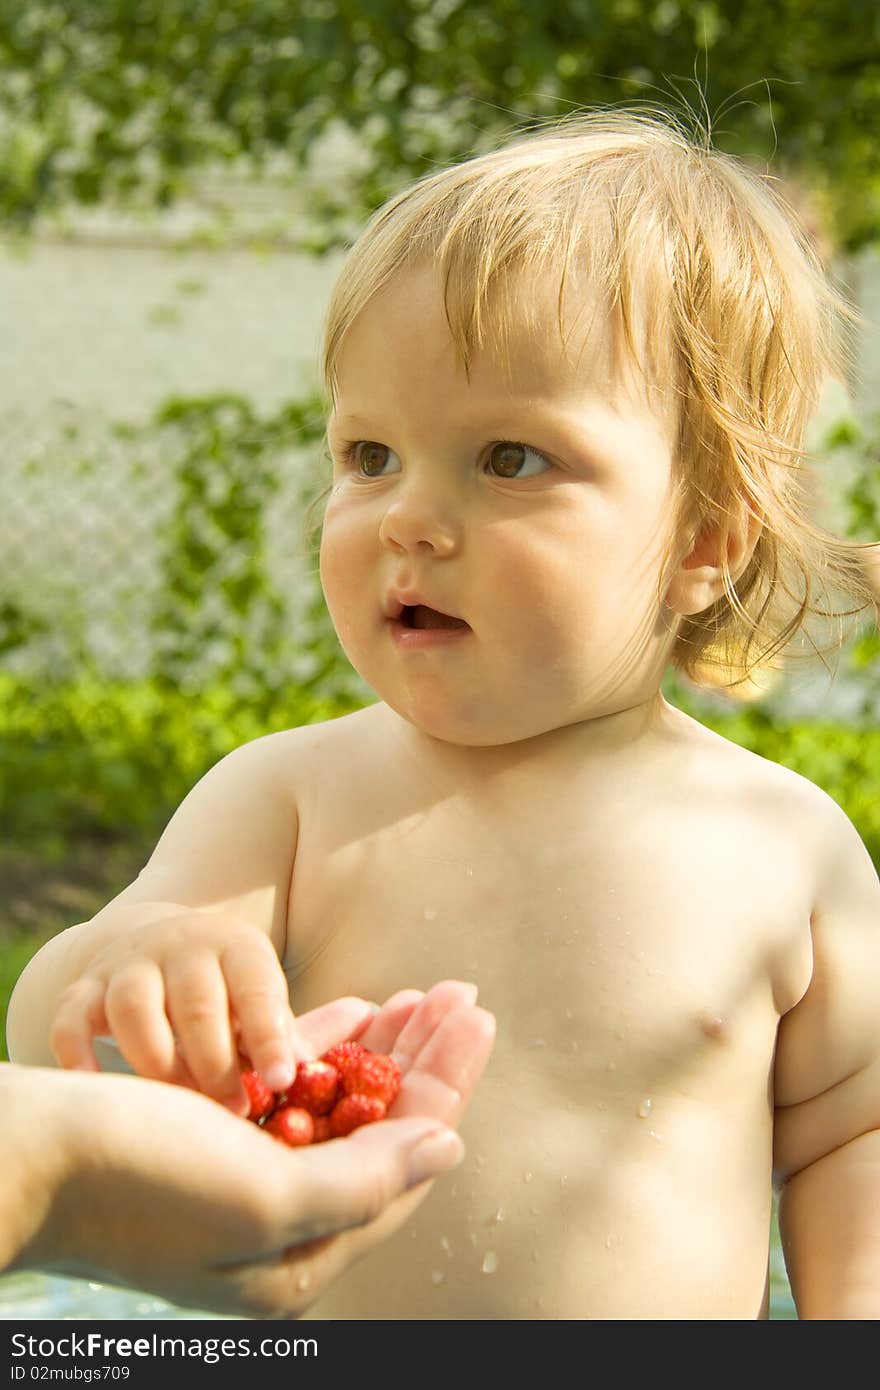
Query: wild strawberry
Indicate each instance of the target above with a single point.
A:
(322, 1129)
(261, 1100)
(372, 1074)
(342, 1055)
(292, 1126)
(314, 1087)
(353, 1111)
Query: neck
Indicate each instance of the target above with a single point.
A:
(585, 740)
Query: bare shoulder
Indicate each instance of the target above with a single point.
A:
(771, 794)
(231, 844)
(300, 757)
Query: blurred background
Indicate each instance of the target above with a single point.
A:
(179, 180)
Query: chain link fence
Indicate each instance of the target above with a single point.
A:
(176, 548)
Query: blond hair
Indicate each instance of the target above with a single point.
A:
(716, 288)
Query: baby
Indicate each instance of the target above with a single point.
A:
(570, 381)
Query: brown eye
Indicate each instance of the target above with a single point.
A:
(373, 459)
(510, 460)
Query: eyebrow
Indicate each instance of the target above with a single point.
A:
(347, 418)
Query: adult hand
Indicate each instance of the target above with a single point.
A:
(135, 1182)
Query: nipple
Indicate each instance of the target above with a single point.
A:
(713, 1026)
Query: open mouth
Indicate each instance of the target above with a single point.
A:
(420, 616)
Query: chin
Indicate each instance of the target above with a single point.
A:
(463, 727)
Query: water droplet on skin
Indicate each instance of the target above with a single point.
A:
(497, 1218)
(563, 1181)
(437, 1277)
(575, 1045)
(527, 1177)
(645, 1109)
(538, 1042)
(490, 1262)
(429, 914)
(446, 1245)
(469, 872)
(612, 1066)
(568, 1013)
(608, 1242)
(654, 1135)
(303, 1282)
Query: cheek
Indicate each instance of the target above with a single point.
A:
(340, 562)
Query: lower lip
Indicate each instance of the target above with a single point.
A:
(419, 638)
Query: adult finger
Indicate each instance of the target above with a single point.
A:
(439, 1001)
(441, 1077)
(344, 1018)
(350, 1182)
(389, 1021)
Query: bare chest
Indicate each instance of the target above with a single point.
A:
(606, 956)
(635, 971)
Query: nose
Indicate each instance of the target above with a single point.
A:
(417, 520)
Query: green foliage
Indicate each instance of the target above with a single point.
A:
(855, 445)
(219, 616)
(17, 625)
(92, 757)
(843, 761)
(125, 98)
(859, 442)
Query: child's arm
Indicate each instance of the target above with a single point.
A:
(827, 1080)
(189, 950)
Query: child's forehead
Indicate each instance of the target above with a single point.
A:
(539, 335)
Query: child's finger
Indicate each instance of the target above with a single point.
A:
(258, 996)
(134, 1005)
(198, 1006)
(78, 1019)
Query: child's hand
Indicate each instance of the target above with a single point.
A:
(183, 997)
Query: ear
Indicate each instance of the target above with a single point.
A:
(698, 580)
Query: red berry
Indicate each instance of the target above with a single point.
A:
(322, 1129)
(261, 1100)
(342, 1054)
(372, 1074)
(314, 1087)
(292, 1126)
(353, 1111)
